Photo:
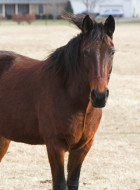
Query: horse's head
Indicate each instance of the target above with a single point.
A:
(93, 51)
(97, 50)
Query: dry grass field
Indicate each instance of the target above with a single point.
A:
(113, 162)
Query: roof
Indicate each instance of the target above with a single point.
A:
(31, 1)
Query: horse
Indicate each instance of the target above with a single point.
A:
(58, 101)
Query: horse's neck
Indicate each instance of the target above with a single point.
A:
(79, 90)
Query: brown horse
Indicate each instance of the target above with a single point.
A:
(58, 102)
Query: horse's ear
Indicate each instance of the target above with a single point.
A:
(109, 26)
(87, 24)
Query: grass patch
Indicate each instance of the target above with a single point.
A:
(37, 23)
(64, 22)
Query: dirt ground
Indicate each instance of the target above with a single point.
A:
(113, 162)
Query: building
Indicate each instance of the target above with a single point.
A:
(129, 8)
(136, 8)
(36, 7)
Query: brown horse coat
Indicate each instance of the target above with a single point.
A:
(58, 101)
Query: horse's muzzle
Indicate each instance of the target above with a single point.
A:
(99, 99)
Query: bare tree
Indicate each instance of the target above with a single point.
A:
(90, 5)
(86, 3)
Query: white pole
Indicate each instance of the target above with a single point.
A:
(30, 9)
(54, 8)
(3, 10)
(16, 9)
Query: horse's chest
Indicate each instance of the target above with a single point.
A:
(74, 130)
(83, 127)
(76, 126)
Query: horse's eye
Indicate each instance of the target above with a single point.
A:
(113, 52)
(86, 51)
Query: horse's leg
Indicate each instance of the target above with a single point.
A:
(4, 144)
(76, 158)
(56, 159)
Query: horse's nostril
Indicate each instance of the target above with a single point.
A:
(94, 94)
(107, 92)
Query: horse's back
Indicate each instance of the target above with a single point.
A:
(6, 61)
(9, 59)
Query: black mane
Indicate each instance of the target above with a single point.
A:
(65, 59)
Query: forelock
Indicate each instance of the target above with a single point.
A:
(98, 32)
